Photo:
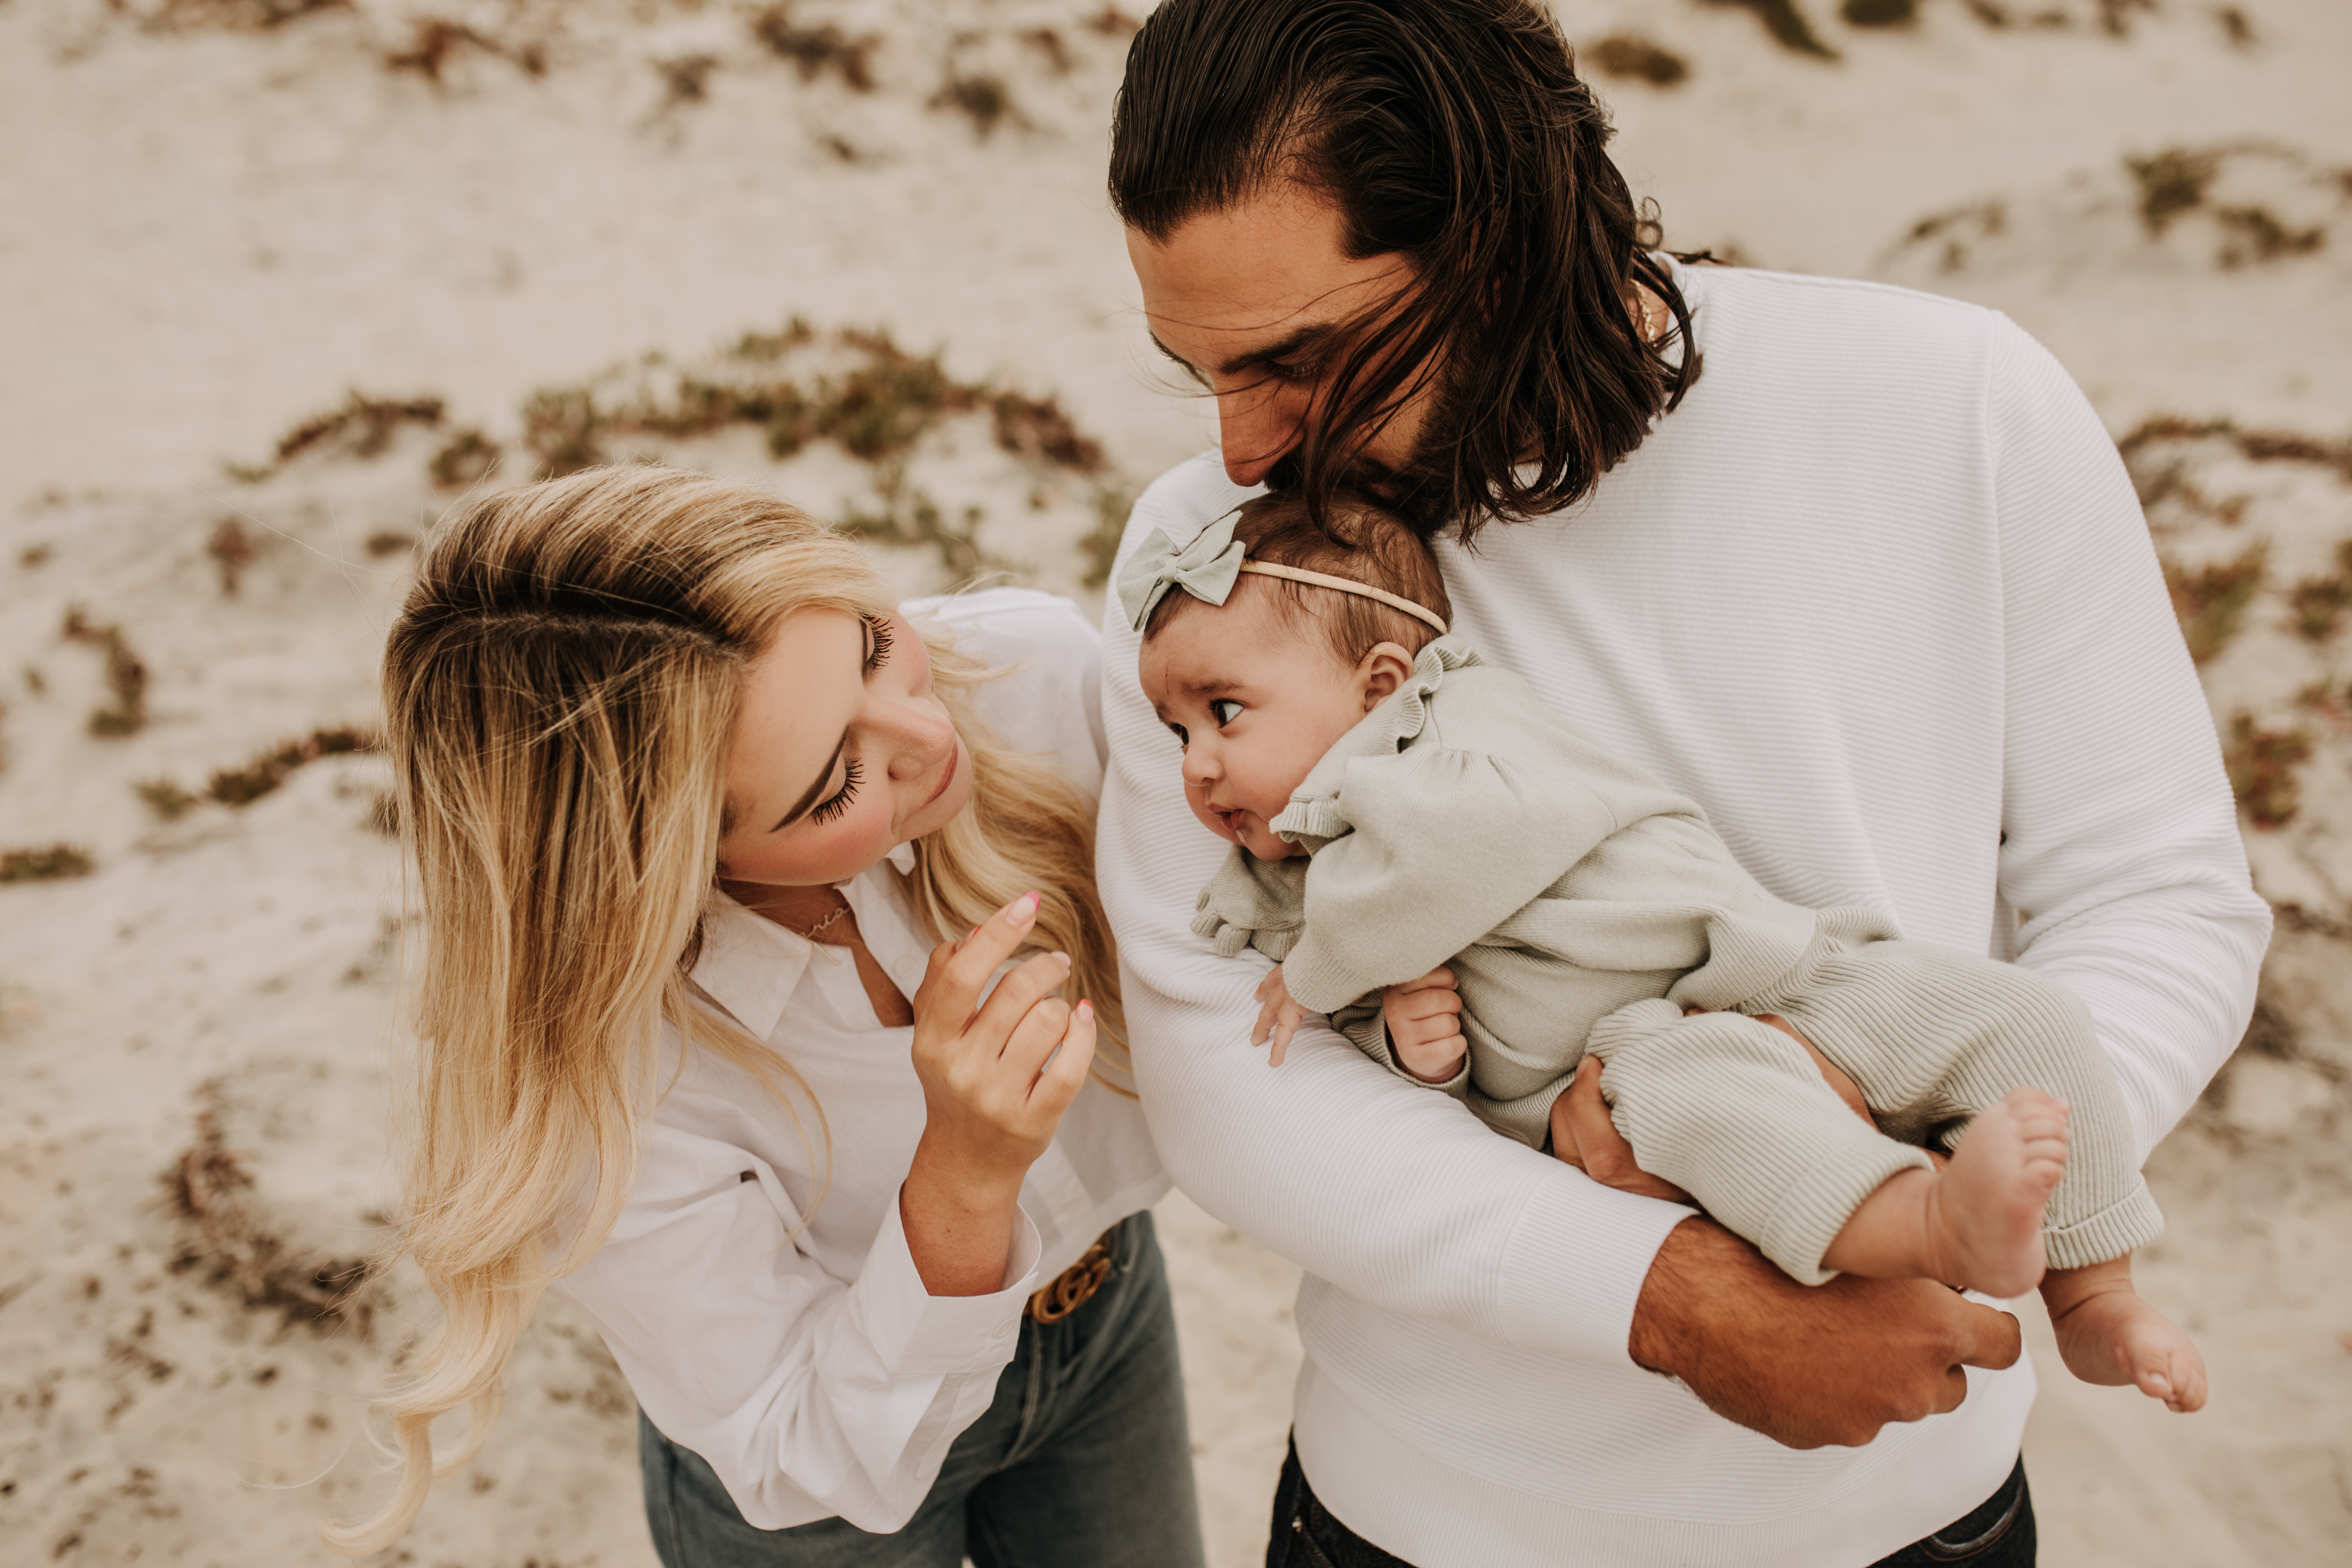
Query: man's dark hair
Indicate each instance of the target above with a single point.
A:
(1456, 134)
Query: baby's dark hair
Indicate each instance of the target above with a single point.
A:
(1359, 540)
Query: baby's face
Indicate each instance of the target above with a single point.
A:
(1254, 703)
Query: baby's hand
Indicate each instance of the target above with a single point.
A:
(1424, 1022)
(1277, 1015)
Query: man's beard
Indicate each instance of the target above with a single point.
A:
(1421, 491)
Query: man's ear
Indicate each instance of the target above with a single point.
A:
(1381, 673)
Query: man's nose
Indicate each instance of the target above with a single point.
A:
(1256, 426)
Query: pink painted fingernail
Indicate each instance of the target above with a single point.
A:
(1086, 1011)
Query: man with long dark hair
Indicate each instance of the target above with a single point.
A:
(1857, 569)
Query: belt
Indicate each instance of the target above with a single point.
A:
(1075, 1286)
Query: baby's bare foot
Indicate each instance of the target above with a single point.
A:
(2116, 1339)
(1984, 1214)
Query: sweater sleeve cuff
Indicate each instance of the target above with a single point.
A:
(916, 1334)
(1575, 1265)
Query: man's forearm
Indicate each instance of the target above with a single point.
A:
(1808, 1366)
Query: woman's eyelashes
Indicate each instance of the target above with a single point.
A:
(838, 802)
(1224, 710)
(1182, 740)
(878, 639)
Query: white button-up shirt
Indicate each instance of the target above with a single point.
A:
(762, 1300)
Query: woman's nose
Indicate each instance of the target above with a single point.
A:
(918, 733)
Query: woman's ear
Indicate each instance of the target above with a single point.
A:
(1381, 673)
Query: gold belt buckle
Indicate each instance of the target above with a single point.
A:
(1075, 1286)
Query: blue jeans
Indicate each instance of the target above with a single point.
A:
(1083, 1460)
(1997, 1533)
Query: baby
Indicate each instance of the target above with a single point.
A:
(1397, 804)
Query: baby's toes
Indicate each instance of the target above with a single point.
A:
(2188, 1380)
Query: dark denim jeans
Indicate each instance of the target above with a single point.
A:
(1996, 1533)
(1083, 1461)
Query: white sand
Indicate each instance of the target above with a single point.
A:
(211, 234)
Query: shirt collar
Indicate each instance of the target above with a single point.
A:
(750, 965)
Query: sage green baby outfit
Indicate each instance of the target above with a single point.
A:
(1582, 906)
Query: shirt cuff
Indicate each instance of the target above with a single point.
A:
(916, 1334)
(1575, 1266)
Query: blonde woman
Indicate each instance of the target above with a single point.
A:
(718, 861)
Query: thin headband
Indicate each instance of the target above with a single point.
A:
(1346, 585)
(1208, 567)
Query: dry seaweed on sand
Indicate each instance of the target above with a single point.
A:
(686, 79)
(232, 550)
(981, 97)
(435, 41)
(2256, 234)
(1048, 42)
(265, 773)
(2261, 765)
(2319, 603)
(363, 426)
(1630, 57)
(467, 458)
(126, 675)
(211, 1191)
(910, 519)
(165, 797)
(1879, 13)
(2255, 446)
(2210, 601)
(50, 863)
(1786, 23)
(819, 51)
(875, 400)
(1099, 544)
(2171, 182)
(240, 16)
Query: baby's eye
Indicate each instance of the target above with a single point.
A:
(1181, 738)
(1224, 710)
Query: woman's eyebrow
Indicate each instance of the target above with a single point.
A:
(823, 778)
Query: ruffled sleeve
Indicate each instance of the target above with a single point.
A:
(1426, 851)
(1255, 903)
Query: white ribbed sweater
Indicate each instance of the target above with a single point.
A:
(1879, 597)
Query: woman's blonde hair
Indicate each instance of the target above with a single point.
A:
(560, 692)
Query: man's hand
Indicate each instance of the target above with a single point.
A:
(1583, 1134)
(1277, 1015)
(1808, 1366)
(1424, 1022)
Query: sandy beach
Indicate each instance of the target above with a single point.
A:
(284, 278)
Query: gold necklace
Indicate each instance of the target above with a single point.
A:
(809, 934)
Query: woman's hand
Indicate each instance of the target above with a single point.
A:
(996, 1079)
(1583, 1135)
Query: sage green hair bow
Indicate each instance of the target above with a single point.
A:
(1207, 569)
